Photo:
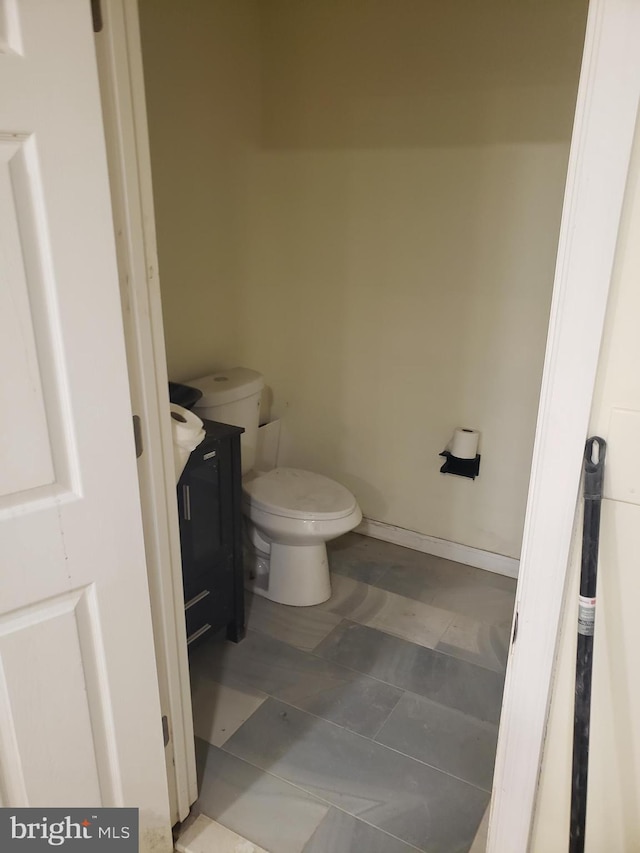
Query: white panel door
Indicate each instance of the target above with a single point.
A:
(79, 711)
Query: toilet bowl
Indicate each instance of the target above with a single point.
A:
(290, 514)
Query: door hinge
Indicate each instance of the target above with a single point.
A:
(165, 729)
(96, 14)
(137, 435)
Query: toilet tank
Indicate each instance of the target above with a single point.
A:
(233, 397)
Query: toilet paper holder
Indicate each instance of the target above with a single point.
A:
(461, 455)
(462, 467)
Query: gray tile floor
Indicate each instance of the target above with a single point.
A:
(367, 724)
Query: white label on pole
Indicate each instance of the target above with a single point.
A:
(586, 615)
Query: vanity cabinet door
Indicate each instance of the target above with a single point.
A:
(210, 536)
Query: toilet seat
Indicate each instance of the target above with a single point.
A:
(293, 493)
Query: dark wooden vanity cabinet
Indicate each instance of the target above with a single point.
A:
(209, 506)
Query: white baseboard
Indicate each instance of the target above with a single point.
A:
(440, 547)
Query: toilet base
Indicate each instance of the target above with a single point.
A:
(297, 575)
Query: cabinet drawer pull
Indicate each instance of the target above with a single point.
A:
(197, 598)
(198, 633)
(186, 502)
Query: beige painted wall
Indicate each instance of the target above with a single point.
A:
(614, 762)
(201, 63)
(375, 230)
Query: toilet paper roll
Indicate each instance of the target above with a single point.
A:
(187, 431)
(464, 444)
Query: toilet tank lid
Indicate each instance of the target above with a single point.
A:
(227, 386)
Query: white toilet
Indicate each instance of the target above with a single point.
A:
(290, 514)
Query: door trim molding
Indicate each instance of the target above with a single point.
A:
(598, 165)
(119, 57)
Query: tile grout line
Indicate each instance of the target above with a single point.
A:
(329, 803)
(402, 640)
(372, 677)
(291, 704)
(387, 718)
(395, 637)
(380, 680)
(416, 645)
(317, 797)
(454, 615)
(396, 595)
(403, 691)
(419, 696)
(372, 826)
(383, 746)
(469, 581)
(335, 663)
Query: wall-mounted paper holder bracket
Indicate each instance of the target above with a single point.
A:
(462, 467)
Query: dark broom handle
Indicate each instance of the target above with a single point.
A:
(594, 454)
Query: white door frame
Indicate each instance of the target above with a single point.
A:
(125, 119)
(598, 165)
